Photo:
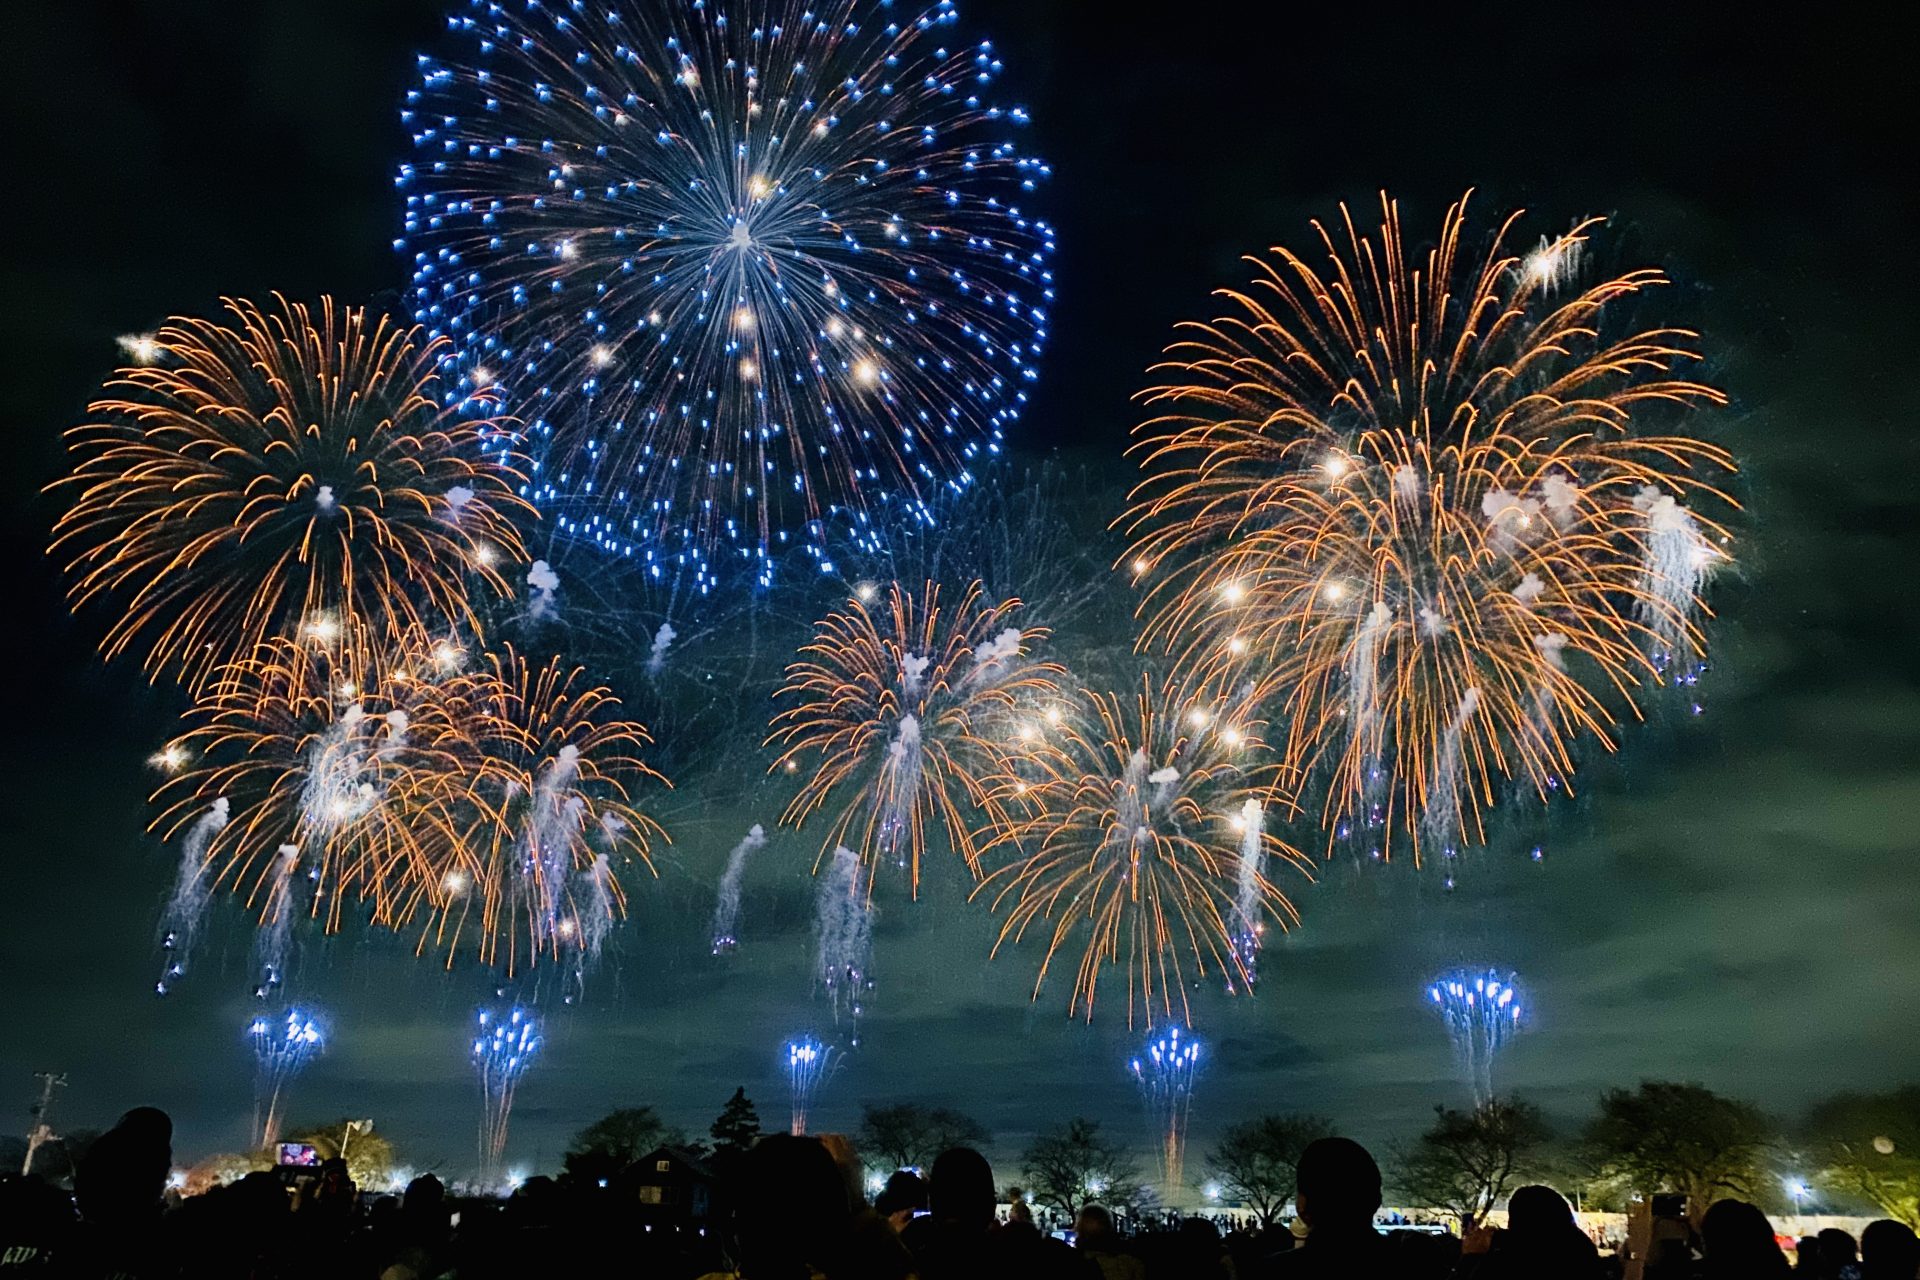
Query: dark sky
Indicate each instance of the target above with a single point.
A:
(1732, 899)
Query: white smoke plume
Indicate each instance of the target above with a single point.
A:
(1675, 563)
(1531, 588)
(1406, 482)
(1510, 518)
(657, 656)
(544, 582)
(1003, 646)
(593, 909)
(186, 909)
(457, 499)
(1562, 499)
(1432, 625)
(726, 906)
(843, 936)
(323, 497)
(913, 669)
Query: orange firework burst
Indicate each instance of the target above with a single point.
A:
(292, 473)
(550, 819)
(1140, 839)
(903, 711)
(495, 800)
(1437, 506)
(353, 779)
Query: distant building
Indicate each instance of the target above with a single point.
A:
(670, 1185)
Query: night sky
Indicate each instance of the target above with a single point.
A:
(1731, 899)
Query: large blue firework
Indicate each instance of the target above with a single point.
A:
(754, 277)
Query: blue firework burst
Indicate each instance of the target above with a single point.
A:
(753, 277)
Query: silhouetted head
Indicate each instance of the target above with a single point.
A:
(1336, 1184)
(1737, 1239)
(1094, 1227)
(1538, 1209)
(1837, 1248)
(905, 1192)
(792, 1208)
(961, 1188)
(124, 1173)
(425, 1192)
(1888, 1249)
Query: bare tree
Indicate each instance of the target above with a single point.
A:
(906, 1135)
(1072, 1167)
(1467, 1161)
(1254, 1162)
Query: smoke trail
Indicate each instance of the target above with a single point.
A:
(554, 818)
(843, 936)
(1675, 563)
(913, 669)
(899, 781)
(1246, 898)
(657, 656)
(273, 940)
(1443, 800)
(593, 909)
(1363, 683)
(1562, 498)
(726, 907)
(186, 910)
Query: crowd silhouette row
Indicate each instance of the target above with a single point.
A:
(788, 1209)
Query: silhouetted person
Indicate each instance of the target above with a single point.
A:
(1198, 1250)
(1094, 1237)
(1806, 1256)
(119, 1188)
(959, 1240)
(1336, 1193)
(1541, 1239)
(36, 1225)
(793, 1217)
(1839, 1255)
(1889, 1251)
(1736, 1243)
(904, 1196)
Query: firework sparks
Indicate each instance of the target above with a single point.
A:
(288, 474)
(1123, 843)
(273, 941)
(1435, 506)
(741, 273)
(1166, 1071)
(497, 801)
(900, 713)
(843, 938)
(1483, 1010)
(809, 1065)
(282, 1047)
(505, 1044)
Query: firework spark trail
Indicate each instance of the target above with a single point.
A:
(1166, 1073)
(1483, 1011)
(504, 1047)
(843, 937)
(547, 845)
(1248, 924)
(595, 908)
(753, 281)
(273, 940)
(282, 1047)
(726, 907)
(809, 1065)
(1441, 818)
(186, 909)
(1377, 483)
(657, 656)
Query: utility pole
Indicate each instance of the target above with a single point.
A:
(42, 1132)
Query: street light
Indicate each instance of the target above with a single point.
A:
(352, 1127)
(1799, 1191)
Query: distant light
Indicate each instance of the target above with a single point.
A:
(866, 372)
(1140, 565)
(1198, 718)
(743, 318)
(1233, 593)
